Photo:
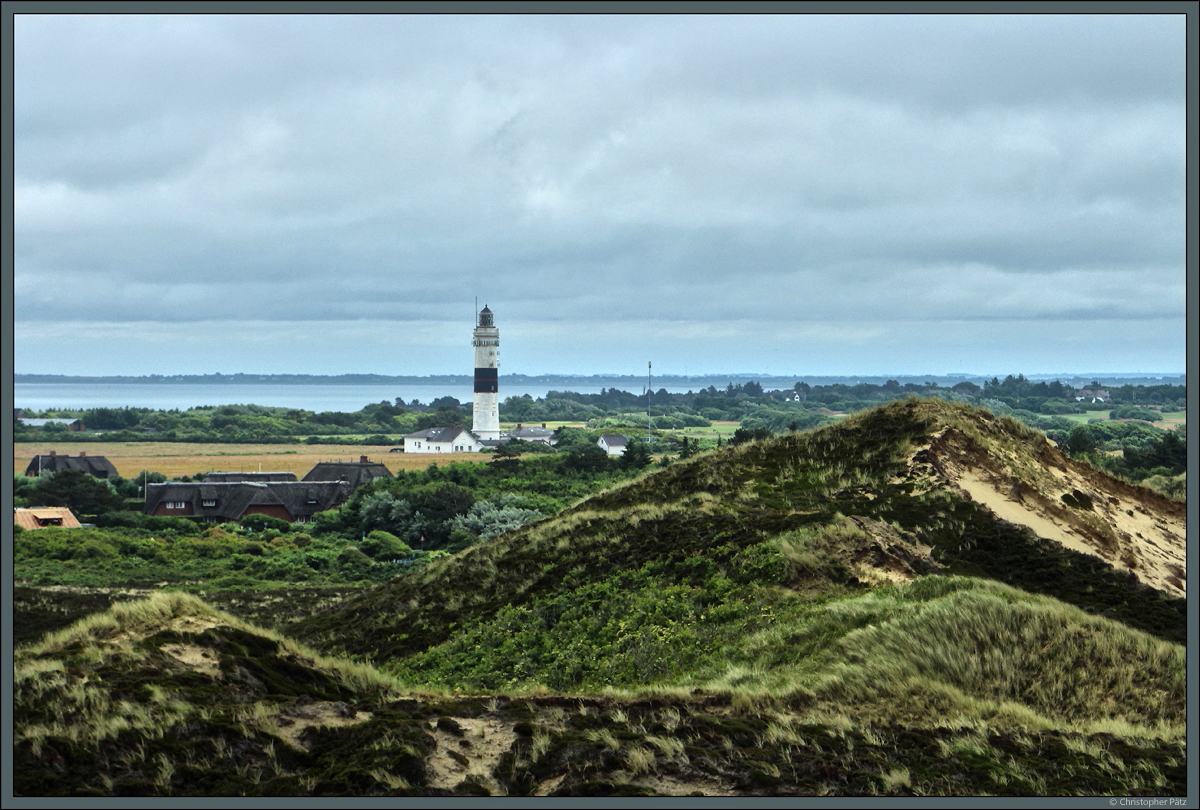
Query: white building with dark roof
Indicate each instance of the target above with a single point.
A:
(73, 425)
(541, 435)
(443, 440)
(613, 443)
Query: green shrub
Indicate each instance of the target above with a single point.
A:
(95, 550)
(382, 545)
(1134, 412)
(354, 563)
(258, 523)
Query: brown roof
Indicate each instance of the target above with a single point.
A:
(356, 472)
(299, 498)
(39, 517)
(249, 476)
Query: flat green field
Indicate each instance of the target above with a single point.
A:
(1170, 419)
(721, 429)
(1084, 418)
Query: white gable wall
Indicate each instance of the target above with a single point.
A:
(464, 442)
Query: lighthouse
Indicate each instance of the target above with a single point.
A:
(487, 369)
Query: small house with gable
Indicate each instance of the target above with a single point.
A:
(73, 425)
(41, 517)
(1092, 395)
(356, 473)
(443, 440)
(613, 443)
(540, 435)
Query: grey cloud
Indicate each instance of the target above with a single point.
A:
(690, 169)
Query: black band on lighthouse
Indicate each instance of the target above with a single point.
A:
(486, 381)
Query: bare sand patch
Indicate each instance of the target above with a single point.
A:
(1007, 508)
(672, 786)
(476, 751)
(198, 658)
(293, 721)
(1130, 528)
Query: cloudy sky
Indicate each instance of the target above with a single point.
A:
(769, 194)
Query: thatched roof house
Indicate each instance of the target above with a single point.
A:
(220, 502)
(98, 466)
(261, 477)
(41, 517)
(356, 473)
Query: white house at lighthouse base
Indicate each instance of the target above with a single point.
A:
(442, 440)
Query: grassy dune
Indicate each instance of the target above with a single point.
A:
(810, 615)
(169, 697)
(713, 522)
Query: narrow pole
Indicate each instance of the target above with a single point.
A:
(649, 388)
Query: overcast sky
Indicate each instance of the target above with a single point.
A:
(769, 194)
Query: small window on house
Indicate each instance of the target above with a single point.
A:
(209, 502)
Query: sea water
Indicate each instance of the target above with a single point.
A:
(344, 398)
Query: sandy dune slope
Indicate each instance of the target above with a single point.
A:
(1129, 527)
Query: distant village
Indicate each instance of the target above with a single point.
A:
(219, 497)
(223, 497)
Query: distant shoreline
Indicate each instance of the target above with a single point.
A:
(620, 380)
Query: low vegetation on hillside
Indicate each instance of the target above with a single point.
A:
(819, 613)
(701, 521)
(168, 697)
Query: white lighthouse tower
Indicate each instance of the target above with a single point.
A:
(487, 370)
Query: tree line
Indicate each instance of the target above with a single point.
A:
(798, 408)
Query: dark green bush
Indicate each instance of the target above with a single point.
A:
(382, 545)
(258, 523)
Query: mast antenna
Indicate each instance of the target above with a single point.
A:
(649, 389)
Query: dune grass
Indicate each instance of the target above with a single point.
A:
(938, 647)
(709, 620)
(898, 687)
(55, 702)
(1011, 659)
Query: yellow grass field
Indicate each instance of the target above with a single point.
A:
(174, 459)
